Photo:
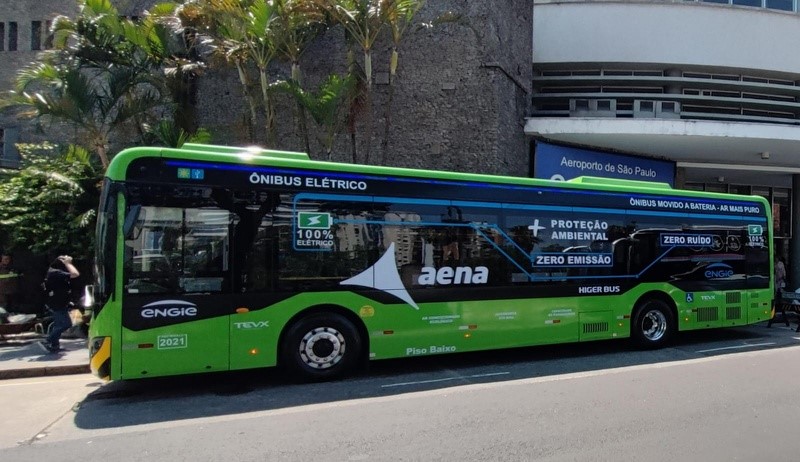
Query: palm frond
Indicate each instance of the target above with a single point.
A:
(86, 219)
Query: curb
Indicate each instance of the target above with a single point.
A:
(44, 371)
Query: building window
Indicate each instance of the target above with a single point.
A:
(739, 189)
(12, 36)
(48, 39)
(9, 157)
(36, 35)
(782, 212)
(2, 36)
(785, 5)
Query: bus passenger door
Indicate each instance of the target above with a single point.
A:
(168, 336)
(175, 292)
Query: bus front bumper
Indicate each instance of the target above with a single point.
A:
(100, 357)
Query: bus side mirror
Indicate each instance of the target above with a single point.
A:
(88, 296)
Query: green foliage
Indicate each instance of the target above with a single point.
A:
(326, 105)
(108, 74)
(50, 205)
(167, 133)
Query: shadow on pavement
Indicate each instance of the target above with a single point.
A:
(120, 404)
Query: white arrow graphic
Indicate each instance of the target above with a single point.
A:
(383, 276)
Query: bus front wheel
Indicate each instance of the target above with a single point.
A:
(321, 346)
(653, 324)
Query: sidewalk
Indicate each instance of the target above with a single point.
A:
(21, 357)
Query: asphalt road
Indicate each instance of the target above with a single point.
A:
(719, 395)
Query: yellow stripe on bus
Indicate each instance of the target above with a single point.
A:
(102, 357)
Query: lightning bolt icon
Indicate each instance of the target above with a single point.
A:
(314, 220)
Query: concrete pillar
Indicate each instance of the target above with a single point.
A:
(794, 244)
(680, 177)
(673, 88)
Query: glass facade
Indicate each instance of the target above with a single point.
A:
(780, 198)
(783, 5)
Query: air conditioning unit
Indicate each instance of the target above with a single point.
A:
(593, 108)
(647, 109)
(644, 109)
(668, 110)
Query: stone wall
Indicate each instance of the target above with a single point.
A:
(24, 12)
(461, 94)
(14, 127)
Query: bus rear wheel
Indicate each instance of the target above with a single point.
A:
(653, 324)
(321, 346)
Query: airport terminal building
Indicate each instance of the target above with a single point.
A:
(711, 87)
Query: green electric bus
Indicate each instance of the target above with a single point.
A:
(214, 258)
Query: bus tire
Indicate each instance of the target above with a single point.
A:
(321, 346)
(653, 324)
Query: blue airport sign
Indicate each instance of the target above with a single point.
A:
(563, 163)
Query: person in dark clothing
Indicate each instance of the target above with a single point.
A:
(58, 287)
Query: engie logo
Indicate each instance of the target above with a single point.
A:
(169, 309)
(718, 271)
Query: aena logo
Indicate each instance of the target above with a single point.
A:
(718, 271)
(383, 275)
(459, 275)
(169, 309)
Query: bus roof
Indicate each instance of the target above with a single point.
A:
(253, 150)
(257, 156)
(594, 180)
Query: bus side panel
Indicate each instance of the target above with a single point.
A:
(759, 305)
(255, 334)
(196, 346)
(399, 330)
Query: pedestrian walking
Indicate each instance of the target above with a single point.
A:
(58, 288)
(780, 275)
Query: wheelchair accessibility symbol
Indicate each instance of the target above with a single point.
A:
(689, 297)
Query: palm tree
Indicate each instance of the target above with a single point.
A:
(260, 45)
(399, 15)
(362, 21)
(171, 52)
(241, 32)
(168, 133)
(105, 73)
(325, 105)
(299, 22)
(97, 105)
(219, 22)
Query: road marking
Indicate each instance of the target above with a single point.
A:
(736, 347)
(55, 379)
(460, 377)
